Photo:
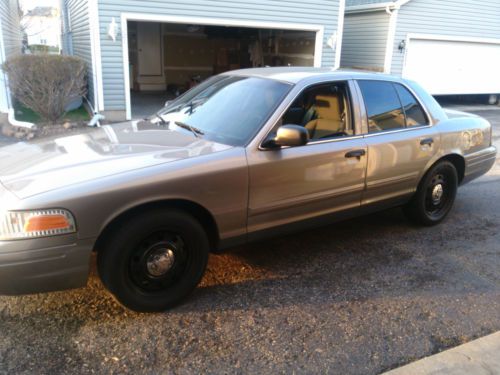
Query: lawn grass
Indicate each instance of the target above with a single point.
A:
(28, 115)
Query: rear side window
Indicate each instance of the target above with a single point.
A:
(382, 105)
(415, 115)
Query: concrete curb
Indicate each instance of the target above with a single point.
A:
(478, 357)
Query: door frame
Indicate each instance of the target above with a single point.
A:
(144, 17)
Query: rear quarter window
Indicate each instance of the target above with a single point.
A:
(414, 113)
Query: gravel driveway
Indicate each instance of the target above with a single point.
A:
(358, 297)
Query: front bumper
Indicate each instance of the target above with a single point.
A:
(44, 264)
(479, 163)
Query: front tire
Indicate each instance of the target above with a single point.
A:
(435, 195)
(154, 260)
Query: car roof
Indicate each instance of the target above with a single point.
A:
(297, 74)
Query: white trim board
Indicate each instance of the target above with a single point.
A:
(453, 38)
(125, 17)
(370, 7)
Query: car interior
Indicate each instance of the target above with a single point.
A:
(323, 110)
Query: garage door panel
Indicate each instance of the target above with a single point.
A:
(454, 67)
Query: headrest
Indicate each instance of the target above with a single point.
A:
(328, 106)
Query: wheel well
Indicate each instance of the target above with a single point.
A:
(198, 212)
(459, 162)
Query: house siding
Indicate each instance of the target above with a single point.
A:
(466, 18)
(12, 45)
(365, 39)
(11, 29)
(314, 12)
(76, 36)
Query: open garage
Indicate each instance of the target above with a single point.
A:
(141, 52)
(166, 59)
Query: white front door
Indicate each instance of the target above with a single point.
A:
(447, 67)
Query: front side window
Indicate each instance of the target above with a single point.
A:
(324, 110)
(382, 106)
(227, 109)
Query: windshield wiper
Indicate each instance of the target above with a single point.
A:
(162, 120)
(195, 103)
(197, 132)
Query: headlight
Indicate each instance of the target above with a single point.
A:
(16, 225)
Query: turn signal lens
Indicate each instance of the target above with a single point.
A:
(46, 222)
(16, 225)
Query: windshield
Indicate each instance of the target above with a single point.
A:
(226, 109)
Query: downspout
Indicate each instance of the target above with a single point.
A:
(95, 45)
(340, 34)
(392, 10)
(20, 124)
(97, 117)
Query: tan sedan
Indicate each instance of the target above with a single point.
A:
(244, 155)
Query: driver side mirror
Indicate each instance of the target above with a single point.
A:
(288, 136)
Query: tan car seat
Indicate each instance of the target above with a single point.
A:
(329, 110)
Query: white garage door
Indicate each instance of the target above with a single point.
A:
(454, 67)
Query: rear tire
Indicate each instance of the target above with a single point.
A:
(435, 195)
(154, 260)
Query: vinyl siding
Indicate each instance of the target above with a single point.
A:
(11, 29)
(315, 12)
(364, 41)
(76, 36)
(467, 18)
(12, 45)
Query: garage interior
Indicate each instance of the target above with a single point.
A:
(167, 59)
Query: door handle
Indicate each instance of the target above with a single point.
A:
(427, 141)
(355, 154)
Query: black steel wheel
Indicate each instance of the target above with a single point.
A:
(158, 261)
(435, 195)
(154, 260)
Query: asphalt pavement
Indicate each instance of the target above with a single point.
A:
(359, 297)
(4, 140)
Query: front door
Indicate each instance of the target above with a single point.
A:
(325, 176)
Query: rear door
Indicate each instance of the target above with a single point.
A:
(400, 138)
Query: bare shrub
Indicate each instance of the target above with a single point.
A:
(46, 83)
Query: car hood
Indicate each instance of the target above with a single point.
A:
(27, 169)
